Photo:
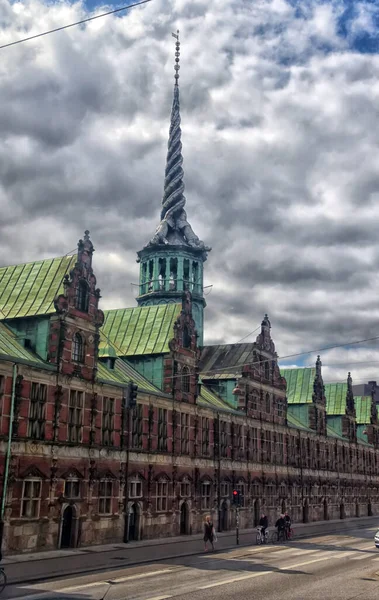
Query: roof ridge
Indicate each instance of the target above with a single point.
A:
(33, 262)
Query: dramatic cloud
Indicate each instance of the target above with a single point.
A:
(281, 155)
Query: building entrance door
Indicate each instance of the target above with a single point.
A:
(66, 537)
(224, 516)
(133, 523)
(184, 520)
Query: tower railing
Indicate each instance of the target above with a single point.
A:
(170, 285)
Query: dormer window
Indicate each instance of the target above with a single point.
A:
(78, 348)
(82, 296)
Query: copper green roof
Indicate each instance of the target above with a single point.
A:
(209, 399)
(9, 346)
(294, 422)
(123, 372)
(363, 409)
(299, 384)
(331, 432)
(335, 394)
(141, 330)
(29, 289)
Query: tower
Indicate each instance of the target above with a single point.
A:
(172, 262)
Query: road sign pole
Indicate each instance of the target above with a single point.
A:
(237, 526)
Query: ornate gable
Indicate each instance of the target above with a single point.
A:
(72, 473)
(74, 330)
(32, 471)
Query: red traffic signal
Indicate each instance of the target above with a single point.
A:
(235, 493)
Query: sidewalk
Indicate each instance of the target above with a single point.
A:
(44, 565)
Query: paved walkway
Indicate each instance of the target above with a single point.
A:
(55, 563)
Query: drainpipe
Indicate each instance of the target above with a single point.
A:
(7, 456)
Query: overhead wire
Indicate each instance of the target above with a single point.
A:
(106, 14)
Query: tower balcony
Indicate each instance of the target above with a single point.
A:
(170, 285)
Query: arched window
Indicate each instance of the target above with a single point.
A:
(185, 380)
(186, 337)
(82, 296)
(78, 348)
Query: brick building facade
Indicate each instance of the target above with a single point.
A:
(80, 467)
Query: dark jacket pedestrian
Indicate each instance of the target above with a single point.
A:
(280, 523)
(208, 533)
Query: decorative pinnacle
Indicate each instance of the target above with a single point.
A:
(177, 56)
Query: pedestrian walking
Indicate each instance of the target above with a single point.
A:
(209, 532)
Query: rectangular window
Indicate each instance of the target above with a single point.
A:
(185, 489)
(2, 386)
(137, 426)
(135, 489)
(254, 444)
(184, 420)
(239, 442)
(224, 440)
(108, 421)
(162, 429)
(224, 489)
(162, 496)
(75, 416)
(37, 408)
(205, 495)
(205, 436)
(31, 498)
(72, 488)
(105, 497)
(240, 487)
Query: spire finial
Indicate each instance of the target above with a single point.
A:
(177, 56)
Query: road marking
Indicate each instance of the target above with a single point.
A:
(82, 587)
(140, 576)
(344, 554)
(360, 557)
(232, 580)
(159, 598)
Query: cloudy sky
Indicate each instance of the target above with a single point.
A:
(280, 118)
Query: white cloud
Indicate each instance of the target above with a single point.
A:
(279, 119)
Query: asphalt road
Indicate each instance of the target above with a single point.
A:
(336, 567)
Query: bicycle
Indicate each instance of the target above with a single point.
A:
(262, 539)
(278, 536)
(290, 534)
(3, 580)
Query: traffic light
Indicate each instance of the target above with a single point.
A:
(131, 395)
(236, 498)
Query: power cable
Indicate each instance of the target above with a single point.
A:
(110, 12)
(248, 335)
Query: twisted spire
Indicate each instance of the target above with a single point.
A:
(173, 199)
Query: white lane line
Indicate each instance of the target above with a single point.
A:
(82, 587)
(140, 576)
(344, 554)
(233, 580)
(360, 557)
(159, 598)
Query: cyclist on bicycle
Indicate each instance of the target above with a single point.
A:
(281, 526)
(287, 520)
(263, 524)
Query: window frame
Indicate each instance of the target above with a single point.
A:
(135, 483)
(78, 348)
(82, 296)
(105, 497)
(186, 380)
(75, 409)
(37, 411)
(108, 416)
(184, 432)
(161, 495)
(33, 500)
(206, 498)
(70, 482)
